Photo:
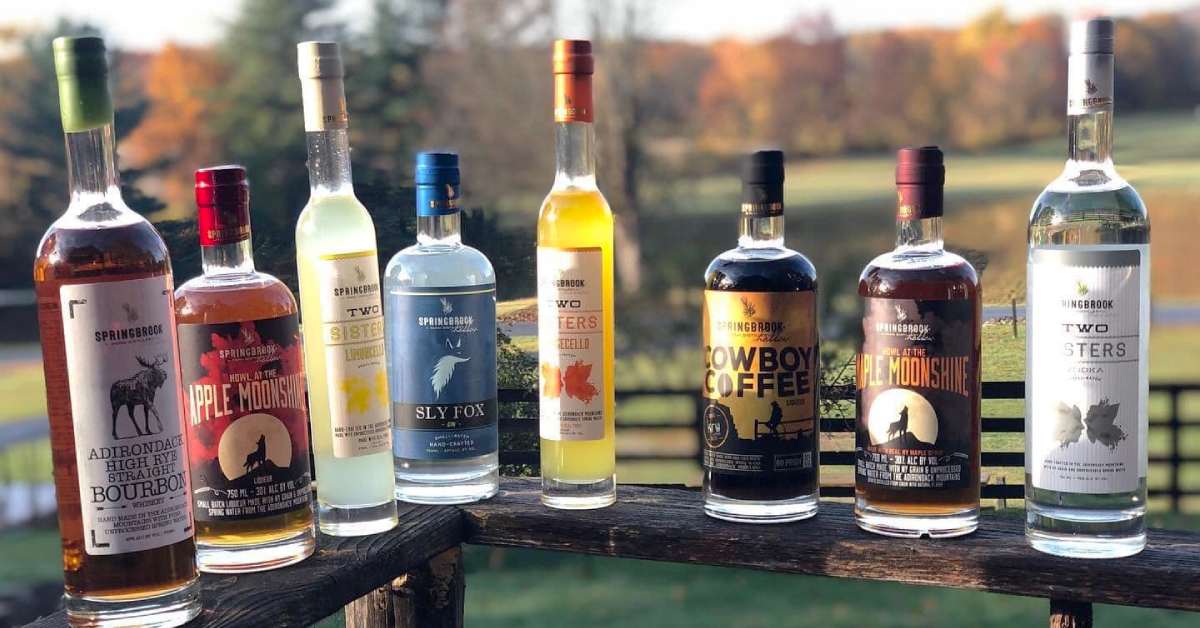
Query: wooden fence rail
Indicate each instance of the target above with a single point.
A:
(412, 575)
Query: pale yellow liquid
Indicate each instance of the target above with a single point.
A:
(330, 225)
(582, 218)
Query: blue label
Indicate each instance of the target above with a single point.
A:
(442, 348)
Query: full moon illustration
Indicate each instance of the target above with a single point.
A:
(239, 444)
(886, 412)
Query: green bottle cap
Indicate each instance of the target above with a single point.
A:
(82, 70)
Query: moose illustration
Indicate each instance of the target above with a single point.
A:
(257, 457)
(139, 390)
(900, 427)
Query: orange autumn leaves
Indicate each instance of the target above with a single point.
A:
(576, 382)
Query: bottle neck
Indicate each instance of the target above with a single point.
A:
(91, 164)
(575, 156)
(1089, 139)
(920, 236)
(760, 232)
(444, 230)
(329, 162)
(227, 259)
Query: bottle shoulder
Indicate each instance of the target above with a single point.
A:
(73, 249)
(439, 266)
(943, 276)
(761, 270)
(249, 296)
(333, 219)
(1088, 215)
(574, 204)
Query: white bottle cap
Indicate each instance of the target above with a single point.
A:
(1094, 36)
(320, 67)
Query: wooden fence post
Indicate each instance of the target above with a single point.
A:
(430, 596)
(1070, 614)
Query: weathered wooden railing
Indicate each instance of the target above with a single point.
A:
(412, 576)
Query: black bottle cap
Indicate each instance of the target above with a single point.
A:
(920, 178)
(762, 184)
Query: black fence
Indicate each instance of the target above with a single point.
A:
(995, 485)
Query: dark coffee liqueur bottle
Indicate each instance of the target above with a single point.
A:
(917, 437)
(761, 365)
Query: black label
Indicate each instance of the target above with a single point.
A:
(918, 395)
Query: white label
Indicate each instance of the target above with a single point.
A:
(571, 343)
(1089, 83)
(127, 409)
(1086, 378)
(355, 362)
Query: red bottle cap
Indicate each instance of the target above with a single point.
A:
(222, 205)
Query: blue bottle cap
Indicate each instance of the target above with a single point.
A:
(437, 178)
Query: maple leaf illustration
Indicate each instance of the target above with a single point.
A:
(1101, 424)
(1067, 424)
(575, 381)
(358, 394)
(551, 381)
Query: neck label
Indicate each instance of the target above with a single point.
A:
(324, 104)
(1089, 83)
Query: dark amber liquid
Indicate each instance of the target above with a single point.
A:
(71, 256)
(258, 298)
(785, 274)
(956, 281)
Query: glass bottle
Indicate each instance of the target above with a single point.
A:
(103, 283)
(762, 365)
(1088, 325)
(575, 303)
(441, 328)
(342, 317)
(243, 374)
(917, 437)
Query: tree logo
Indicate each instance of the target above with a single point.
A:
(447, 306)
(748, 308)
(1081, 288)
(1090, 86)
(131, 312)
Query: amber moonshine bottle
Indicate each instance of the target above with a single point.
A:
(243, 379)
(917, 435)
(107, 320)
(762, 375)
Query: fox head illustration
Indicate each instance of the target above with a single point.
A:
(443, 369)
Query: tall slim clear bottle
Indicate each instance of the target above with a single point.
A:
(342, 317)
(575, 303)
(103, 281)
(1088, 329)
(441, 329)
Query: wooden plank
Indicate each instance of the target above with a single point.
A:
(342, 570)
(1068, 614)
(430, 596)
(665, 524)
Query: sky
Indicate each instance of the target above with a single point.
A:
(147, 24)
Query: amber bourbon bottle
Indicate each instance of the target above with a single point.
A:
(761, 367)
(243, 379)
(917, 436)
(103, 282)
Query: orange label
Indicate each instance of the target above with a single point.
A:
(573, 98)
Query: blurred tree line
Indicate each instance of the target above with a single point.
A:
(473, 76)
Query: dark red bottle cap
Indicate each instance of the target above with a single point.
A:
(920, 178)
(222, 205)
